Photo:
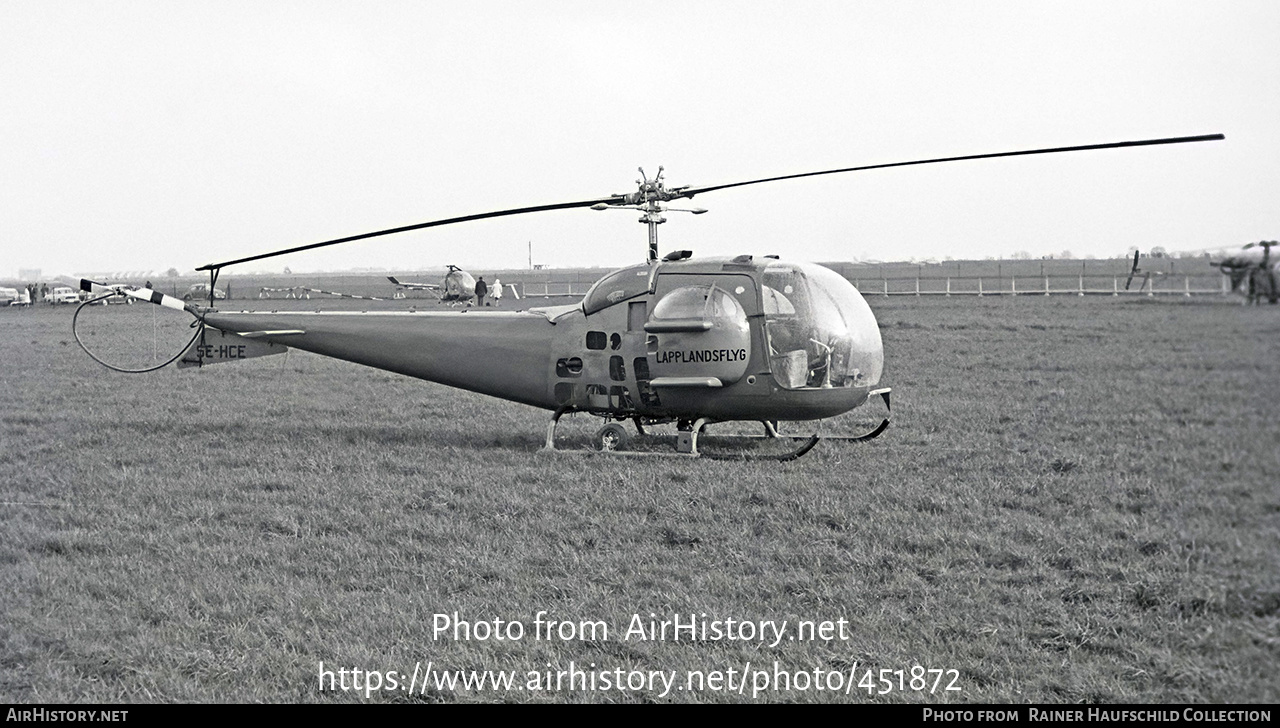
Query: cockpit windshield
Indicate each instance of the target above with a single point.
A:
(821, 332)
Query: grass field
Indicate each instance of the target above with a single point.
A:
(1079, 501)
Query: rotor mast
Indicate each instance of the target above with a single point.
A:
(652, 217)
(648, 199)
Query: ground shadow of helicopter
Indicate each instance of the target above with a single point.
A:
(684, 340)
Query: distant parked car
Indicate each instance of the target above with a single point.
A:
(62, 294)
(201, 290)
(9, 296)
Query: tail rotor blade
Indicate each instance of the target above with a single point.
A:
(161, 299)
(142, 294)
(96, 287)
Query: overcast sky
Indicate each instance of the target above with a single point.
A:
(143, 135)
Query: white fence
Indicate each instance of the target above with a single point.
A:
(1092, 285)
(1043, 286)
(547, 289)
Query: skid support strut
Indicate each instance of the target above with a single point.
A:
(687, 440)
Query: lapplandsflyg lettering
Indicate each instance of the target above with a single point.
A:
(700, 356)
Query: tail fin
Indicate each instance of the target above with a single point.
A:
(215, 346)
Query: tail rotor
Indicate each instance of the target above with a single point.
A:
(117, 336)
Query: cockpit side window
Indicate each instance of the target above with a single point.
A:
(699, 302)
(617, 287)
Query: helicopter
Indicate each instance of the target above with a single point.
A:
(1254, 271)
(457, 288)
(677, 339)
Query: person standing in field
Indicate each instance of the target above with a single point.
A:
(482, 289)
(496, 294)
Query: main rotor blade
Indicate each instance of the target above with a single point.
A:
(1111, 145)
(690, 192)
(433, 223)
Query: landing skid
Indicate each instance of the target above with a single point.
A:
(613, 438)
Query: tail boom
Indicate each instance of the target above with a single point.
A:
(501, 354)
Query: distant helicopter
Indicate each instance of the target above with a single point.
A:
(1254, 271)
(680, 339)
(457, 288)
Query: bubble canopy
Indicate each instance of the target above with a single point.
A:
(821, 331)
